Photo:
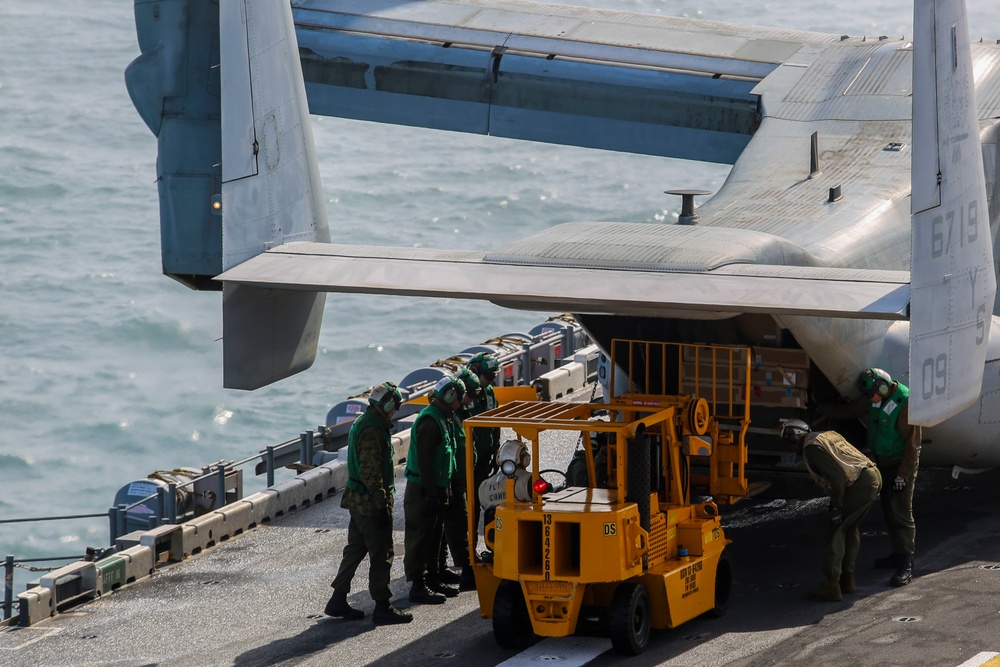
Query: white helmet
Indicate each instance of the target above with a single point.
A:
(514, 450)
(793, 429)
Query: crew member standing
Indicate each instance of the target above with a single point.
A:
(896, 445)
(456, 522)
(852, 481)
(430, 465)
(369, 497)
(486, 440)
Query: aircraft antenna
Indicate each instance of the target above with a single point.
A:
(814, 169)
(687, 216)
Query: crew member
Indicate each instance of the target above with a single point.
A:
(493, 490)
(852, 481)
(430, 466)
(456, 528)
(896, 445)
(369, 498)
(485, 440)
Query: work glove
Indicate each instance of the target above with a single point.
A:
(898, 484)
(383, 519)
(836, 518)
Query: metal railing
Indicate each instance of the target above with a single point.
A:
(297, 451)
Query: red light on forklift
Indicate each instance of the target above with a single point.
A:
(541, 486)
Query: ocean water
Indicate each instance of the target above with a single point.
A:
(110, 371)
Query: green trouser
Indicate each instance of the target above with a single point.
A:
(845, 541)
(897, 508)
(422, 540)
(366, 538)
(456, 527)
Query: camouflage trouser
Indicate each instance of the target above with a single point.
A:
(845, 541)
(365, 538)
(422, 541)
(897, 508)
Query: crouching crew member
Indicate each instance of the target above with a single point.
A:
(852, 481)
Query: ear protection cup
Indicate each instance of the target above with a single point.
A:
(875, 381)
(386, 397)
(881, 382)
(793, 429)
(447, 389)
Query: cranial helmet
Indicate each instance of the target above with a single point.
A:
(484, 363)
(470, 380)
(386, 397)
(514, 450)
(449, 389)
(875, 381)
(793, 429)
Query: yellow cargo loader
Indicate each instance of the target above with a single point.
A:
(630, 546)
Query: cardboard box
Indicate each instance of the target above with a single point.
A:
(703, 354)
(786, 397)
(720, 371)
(779, 376)
(780, 356)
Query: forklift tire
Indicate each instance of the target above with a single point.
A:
(629, 618)
(511, 623)
(723, 588)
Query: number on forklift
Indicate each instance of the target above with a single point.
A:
(610, 529)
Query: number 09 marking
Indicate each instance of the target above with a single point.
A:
(934, 376)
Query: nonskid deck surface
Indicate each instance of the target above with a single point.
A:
(258, 600)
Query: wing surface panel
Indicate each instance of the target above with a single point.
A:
(599, 79)
(455, 274)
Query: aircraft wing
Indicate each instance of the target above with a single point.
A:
(656, 85)
(579, 288)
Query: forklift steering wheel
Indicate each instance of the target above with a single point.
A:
(555, 487)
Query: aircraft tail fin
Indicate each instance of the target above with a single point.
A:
(952, 280)
(271, 191)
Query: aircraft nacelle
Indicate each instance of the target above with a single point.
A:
(175, 86)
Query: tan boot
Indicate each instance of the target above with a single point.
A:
(828, 592)
(847, 584)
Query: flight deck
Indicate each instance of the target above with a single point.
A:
(258, 600)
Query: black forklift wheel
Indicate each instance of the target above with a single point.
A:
(723, 588)
(511, 623)
(629, 618)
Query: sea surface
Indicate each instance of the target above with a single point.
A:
(110, 371)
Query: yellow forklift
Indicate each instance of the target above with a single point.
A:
(630, 546)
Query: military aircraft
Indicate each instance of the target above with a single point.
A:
(856, 218)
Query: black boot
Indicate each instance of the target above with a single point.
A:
(446, 576)
(890, 562)
(904, 573)
(419, 594)
(435, 584)
(467, 580)
(338, 608)
(386, 614)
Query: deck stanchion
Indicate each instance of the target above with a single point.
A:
(221, 499)
(113, 524)
(270, 466)
(8, 586)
